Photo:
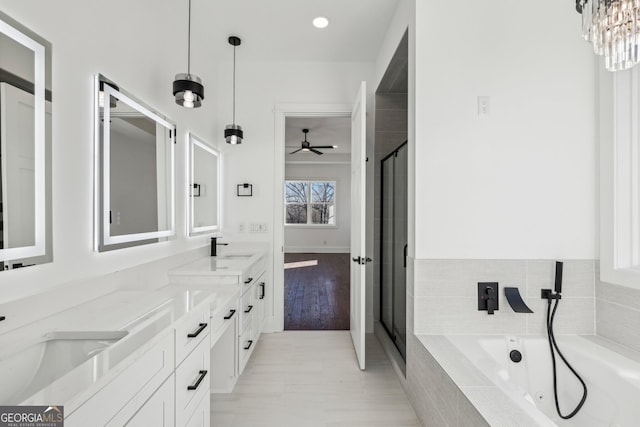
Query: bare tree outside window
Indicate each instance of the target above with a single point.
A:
(310, 202)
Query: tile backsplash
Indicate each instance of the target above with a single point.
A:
(445, 294)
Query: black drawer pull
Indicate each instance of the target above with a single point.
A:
(198, 331)
(249, 345)
(197, 383)
(250, 307)
(230, 315)
(262, 289)
(249, 280)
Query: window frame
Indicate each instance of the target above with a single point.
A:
(619, 134)
(309, 203)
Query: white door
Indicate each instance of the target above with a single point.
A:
(358, 196)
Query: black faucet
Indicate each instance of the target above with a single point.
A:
(214, 246)
(2, 318)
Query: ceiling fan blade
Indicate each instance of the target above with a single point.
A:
(322, 146)
(294, 152)
(313, 150)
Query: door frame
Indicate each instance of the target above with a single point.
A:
(282, 112)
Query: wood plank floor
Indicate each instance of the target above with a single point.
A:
(317, 296)
(312, 379)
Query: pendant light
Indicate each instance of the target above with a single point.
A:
(188, 88)
(233, 133)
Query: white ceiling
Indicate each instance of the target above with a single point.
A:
(281, 30)
(322, 131)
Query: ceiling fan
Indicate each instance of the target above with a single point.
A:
(306, 145)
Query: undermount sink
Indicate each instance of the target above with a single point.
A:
(34, 367)
(235, 256)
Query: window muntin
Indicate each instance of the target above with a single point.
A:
(310, 202)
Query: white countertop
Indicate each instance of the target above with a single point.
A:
(217, 266)
(146, 316)
(233, 260)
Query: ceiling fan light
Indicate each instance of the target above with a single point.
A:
(188, 90)
(233, 134)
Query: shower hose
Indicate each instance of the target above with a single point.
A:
(553, 345)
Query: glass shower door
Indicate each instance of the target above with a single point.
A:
(393, 290)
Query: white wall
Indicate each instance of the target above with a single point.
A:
(93, 39)
(519, 182)
(325, 239)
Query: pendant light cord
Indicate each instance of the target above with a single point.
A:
(234, 84)
(189, 44)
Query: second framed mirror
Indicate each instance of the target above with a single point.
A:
(135, 196)
(204, 187)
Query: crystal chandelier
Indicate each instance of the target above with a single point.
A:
(613, 26)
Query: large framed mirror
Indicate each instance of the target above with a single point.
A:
(135, 158)
(25, 147)
(204, 187)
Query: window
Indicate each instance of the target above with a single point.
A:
(310, 202)
(620, 177)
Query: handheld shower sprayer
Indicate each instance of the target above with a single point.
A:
(558, 285)
(551, 315)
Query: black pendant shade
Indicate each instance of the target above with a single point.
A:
(187, 88)
(233, 133)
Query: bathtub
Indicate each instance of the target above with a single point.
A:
(613, 380)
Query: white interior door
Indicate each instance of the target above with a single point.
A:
(358, 233)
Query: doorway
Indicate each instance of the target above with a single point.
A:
(317, 204)
(358, 308)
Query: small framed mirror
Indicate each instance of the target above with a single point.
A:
(204, 187)
(135, 157)
(25, 147)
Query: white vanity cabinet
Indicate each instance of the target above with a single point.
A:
(236, 324)
(167, 384)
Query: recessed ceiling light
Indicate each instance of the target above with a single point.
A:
(320, 22)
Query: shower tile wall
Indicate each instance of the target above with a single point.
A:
(618, 314)
(445, 293)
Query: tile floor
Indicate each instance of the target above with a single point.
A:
(311, 378)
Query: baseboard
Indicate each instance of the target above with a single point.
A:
(317, 250)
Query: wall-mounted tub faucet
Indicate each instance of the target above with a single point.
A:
(515, 300)
(2, 318)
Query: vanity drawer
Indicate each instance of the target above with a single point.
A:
(192, 383)
(191, 331)
(255, 270)
(202, 414)
(247, 307)
(223, 315)
(245, 346)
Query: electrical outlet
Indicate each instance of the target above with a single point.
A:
(241, 227)
(483, 105)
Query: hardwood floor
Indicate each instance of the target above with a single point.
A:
(316, 296)
(312, 379)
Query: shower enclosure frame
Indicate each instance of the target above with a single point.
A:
(391, 331)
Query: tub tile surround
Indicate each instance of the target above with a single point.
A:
(618, 314)
(435, 396)
(446, 296)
